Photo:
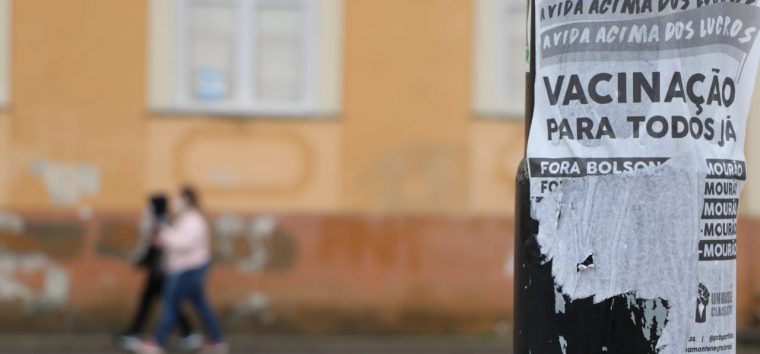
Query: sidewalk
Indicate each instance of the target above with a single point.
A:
(101, 344)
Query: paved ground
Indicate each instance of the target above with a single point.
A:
(94, 344)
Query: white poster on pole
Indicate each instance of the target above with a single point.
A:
(636, 157)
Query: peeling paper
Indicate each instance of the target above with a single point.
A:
(638, 227)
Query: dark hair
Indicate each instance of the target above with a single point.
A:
(159, 206)
(189, 194)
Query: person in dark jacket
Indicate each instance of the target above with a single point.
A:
(150, 258)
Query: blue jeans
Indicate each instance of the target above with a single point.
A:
(186, 285)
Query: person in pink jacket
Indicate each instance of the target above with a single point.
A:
(187, 257)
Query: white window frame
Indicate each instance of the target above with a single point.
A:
(492, 81)
(243, 101)
(5, 55)
(504, 50)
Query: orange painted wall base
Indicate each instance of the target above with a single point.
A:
(288, 273)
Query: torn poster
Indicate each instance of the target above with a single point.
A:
(636, 163)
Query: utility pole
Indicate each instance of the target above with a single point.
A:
(627, 197)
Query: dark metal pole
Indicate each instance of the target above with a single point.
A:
(527, 256)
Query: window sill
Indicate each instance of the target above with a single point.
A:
(499, 115)
(200, 113)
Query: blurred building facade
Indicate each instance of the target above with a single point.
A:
(356, 158)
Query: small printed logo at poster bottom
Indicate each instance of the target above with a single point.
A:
(703, 299)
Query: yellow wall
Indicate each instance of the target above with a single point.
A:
(407, 105)
(77, 99)
(263, 165)
(4, 158)
(751, 194)
(406, 139)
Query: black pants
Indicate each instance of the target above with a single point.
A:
(152, 290)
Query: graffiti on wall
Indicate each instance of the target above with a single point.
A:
(11, 223)
(28, 275)
(15, 270)
(254, 244)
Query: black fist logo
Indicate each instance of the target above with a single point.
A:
(703, 299)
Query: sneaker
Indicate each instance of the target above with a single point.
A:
(128, 342)
(149, 348)
(218, 348)
(191, 342)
